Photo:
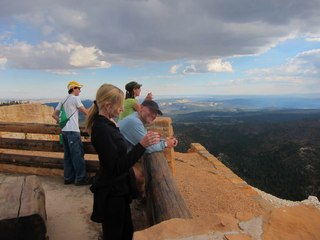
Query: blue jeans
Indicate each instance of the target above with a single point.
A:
(74, 164)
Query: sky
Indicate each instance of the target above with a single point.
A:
(171, 47)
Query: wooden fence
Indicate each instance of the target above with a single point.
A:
(26, 155)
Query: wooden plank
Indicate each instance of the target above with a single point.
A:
(41, 161)
(164, 200)
(40, 128)
(39, 145)
(29, 127)
(30, 220)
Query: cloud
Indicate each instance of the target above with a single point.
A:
(313, 39)
(299, 75)
(190, 69)
(175, 68)
(55, 57)
(87, 57)
(205, 66)
(304, 65)
(3, 61)
(217, 65)
(156, 30)
(128, 31)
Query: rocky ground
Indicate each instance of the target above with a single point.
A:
(225, 207)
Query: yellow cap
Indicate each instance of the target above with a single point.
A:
(74, 84)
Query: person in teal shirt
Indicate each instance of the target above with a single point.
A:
(131, 103)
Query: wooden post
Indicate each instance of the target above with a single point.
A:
(164, 200)
(163, 125)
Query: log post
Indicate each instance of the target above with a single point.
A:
(164, 200)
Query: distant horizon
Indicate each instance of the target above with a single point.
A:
(311, 95)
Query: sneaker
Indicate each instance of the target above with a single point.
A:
(87, 181)
(68, 182)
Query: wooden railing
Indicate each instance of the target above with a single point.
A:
(164, 200)
(46, 161)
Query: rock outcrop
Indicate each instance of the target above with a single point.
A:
(30, 113)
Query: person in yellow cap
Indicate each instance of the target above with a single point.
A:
(74, 164)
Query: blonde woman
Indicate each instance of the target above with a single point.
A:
(111, 186)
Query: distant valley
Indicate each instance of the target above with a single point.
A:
(273, 143)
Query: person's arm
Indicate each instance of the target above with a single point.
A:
(83, 110)
(135, 131)
(164, 143)
(136, 107)
(56, 112)
(55, 115)
(149, 96)
(107, 140)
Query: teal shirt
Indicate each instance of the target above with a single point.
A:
(128, 107)
(133, 131)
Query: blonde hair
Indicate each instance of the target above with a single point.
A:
(106, 93)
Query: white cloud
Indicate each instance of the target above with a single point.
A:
(190, 69)
(87, 57)
(55, 57)
(299, 75)
(213, 65)
(3, 61)
(305, 64)
(175, 68)
(313, 39)
(217, 65)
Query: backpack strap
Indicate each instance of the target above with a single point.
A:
(64, 103)
(65, 100)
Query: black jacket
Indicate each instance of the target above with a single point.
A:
(112, 177)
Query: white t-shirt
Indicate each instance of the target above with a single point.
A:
(71, 105)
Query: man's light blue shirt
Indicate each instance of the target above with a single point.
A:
(133, 130)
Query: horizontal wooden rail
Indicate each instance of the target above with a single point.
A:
(30, 158)
(40, 145)
(40, 128)
(164, 200)
(41, 161)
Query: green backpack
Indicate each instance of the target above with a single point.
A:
(63, 119)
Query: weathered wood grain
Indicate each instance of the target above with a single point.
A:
(164, 200)
(41, 161)
(22, 208)
(39, 145)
